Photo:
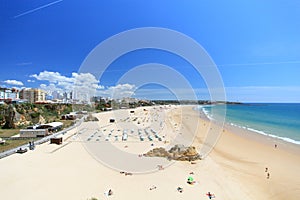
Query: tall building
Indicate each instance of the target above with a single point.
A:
(2, 93)
(57, 95)
(65, 96)
(9, 94)
(33, 95)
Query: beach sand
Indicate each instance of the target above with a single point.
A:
(82, 167)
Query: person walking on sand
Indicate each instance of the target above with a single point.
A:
(210, 195)
(266, 169)
(268, 175)
(180, 189)
(153, 187)
(108, 193)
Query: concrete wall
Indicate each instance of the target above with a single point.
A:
(33, 132)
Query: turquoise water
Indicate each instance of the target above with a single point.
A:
(274, 119)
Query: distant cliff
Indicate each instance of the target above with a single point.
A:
(21, 115)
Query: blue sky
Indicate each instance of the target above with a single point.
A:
(255, 44)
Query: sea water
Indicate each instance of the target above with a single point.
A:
(279, 120)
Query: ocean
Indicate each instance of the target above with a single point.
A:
(278, 120)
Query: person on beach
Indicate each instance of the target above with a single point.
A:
(160, 167)
(108, 193)
(210, 195)
(152, 188)
(128, 174)
(266, 169)
(268, 175)
(180, 189)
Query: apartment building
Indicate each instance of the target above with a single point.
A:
(33, 95)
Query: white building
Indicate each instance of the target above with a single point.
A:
(9, 94)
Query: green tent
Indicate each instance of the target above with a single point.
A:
(190, 179)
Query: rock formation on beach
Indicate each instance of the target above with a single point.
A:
(91, 118)
(178, 152)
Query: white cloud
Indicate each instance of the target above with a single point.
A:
(30, 81)
(13, 82)
(84, 85)
(51, 88)
(121, 90)
(60, 82)
(82, 91)
(52, 77)
(85, 79)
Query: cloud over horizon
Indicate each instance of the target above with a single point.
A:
(120, 90)
(84, 85)
(58, 83)
(13, 82)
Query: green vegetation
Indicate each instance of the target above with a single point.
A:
(8, 132)
(67, 123)
(82, 107)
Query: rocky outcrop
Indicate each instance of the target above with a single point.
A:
(91, 118)
(10, 118)
(178, 152)
(21, 115)
(42, 120)
(21, 121)
(158, 152)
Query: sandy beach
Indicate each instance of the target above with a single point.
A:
(96, 157)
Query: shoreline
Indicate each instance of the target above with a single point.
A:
(264, 139)
(245, 155)
(260, 136)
